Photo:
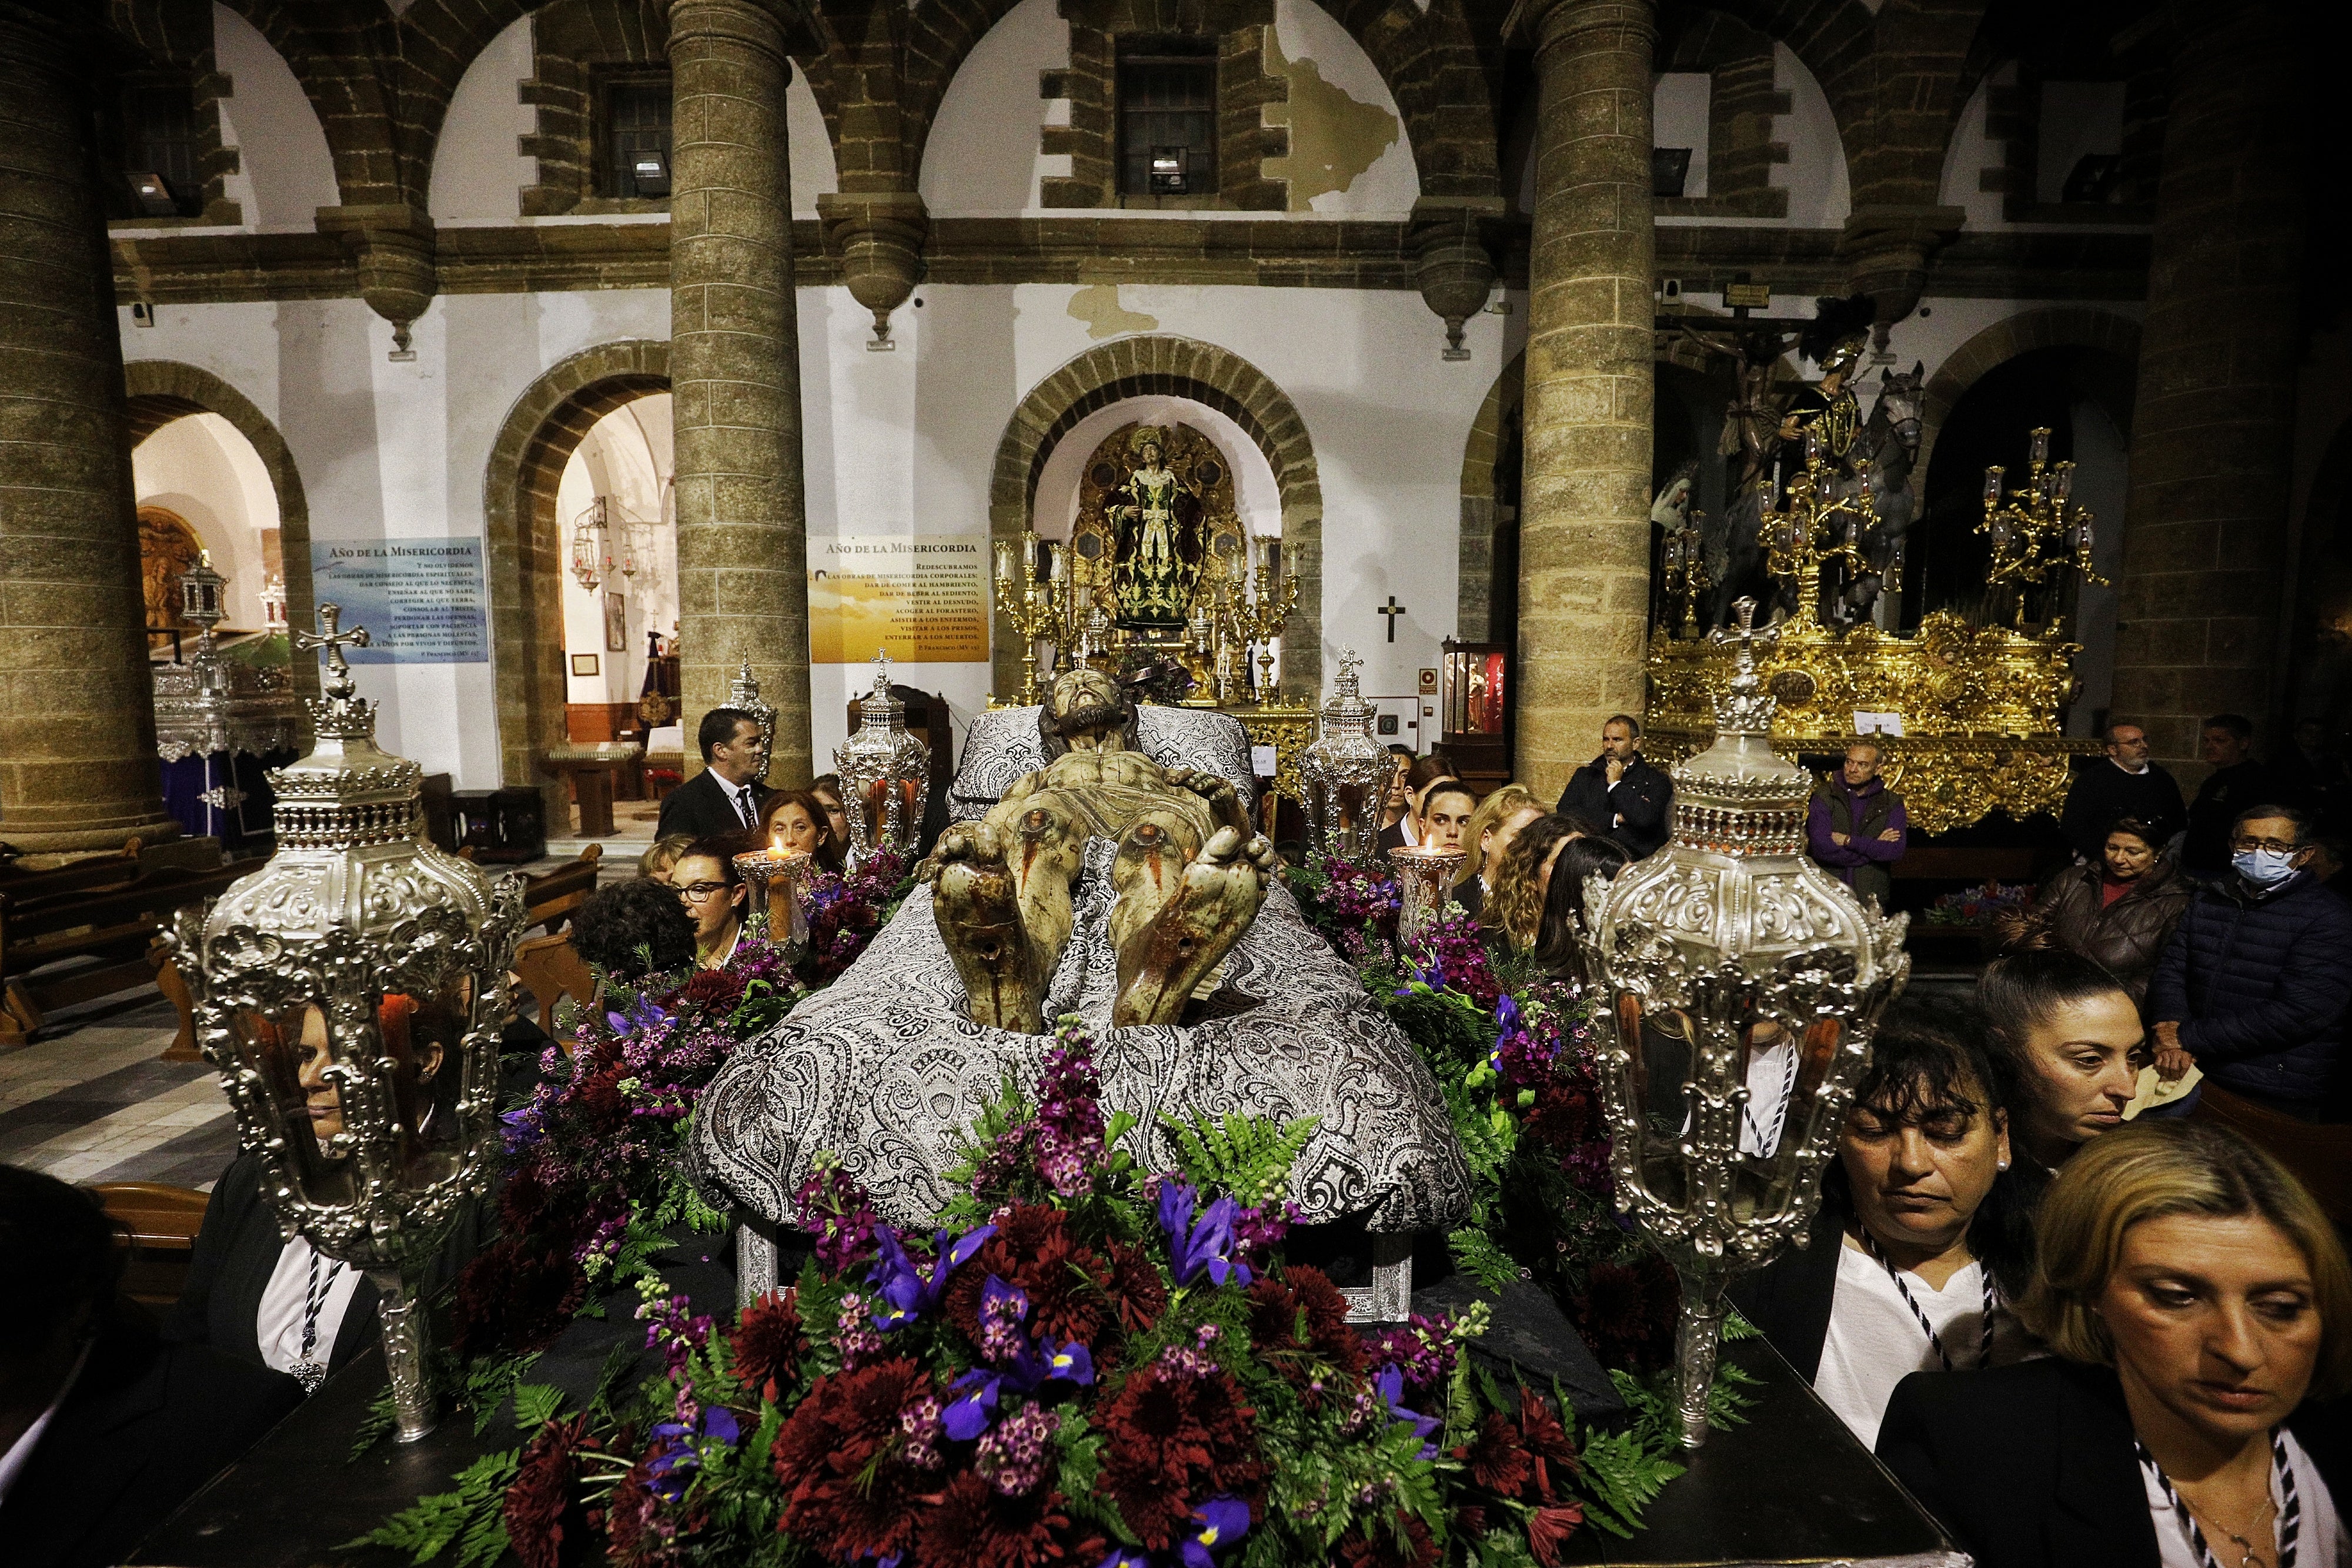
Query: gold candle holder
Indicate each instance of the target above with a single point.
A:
(1425, 874)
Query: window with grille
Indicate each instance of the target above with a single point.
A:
(157, 142)
(634, 139)
(1167, 117)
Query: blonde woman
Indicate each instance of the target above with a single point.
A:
(654, 864)
(2195, 1297)
(1491, 827)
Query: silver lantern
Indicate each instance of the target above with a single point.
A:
(744, 693)
(326, 983)
(1345, 773)
(1738, 987)
(886, 773)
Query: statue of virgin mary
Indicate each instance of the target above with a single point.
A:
(1157, 542)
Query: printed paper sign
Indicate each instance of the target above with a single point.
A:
(420, 600)
(921, 597)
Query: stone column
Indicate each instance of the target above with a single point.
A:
(78, 768)
(735, 374)
(2212, 423)
(1584, 531)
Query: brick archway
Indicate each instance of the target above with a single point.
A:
(523, 544)
(158, 391)
(1162, 366)
(2066, 326)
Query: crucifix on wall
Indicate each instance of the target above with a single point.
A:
(1391, 610)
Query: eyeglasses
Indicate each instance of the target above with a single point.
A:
(695, 892)
(2243, 845)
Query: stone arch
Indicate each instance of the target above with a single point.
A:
(2058, 327)
(160, 391)
(524, 546)
(1481, 510)
(1169, 366)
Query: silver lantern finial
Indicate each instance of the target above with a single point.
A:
(1740, 986)
(1345, 773)
(349, 994)
(743, 692)
(885, 771)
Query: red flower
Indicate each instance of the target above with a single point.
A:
(1547, 1443)
(517, 1294)
(1497, 1459)
(1550, 1528)
(636, 1534)
(1564, 1115)
(1174, 1443)
(1381, 1549)
(972, 1525)
(714, 990)
(544, 1514)
(1135, 1286)
(848, 1492)
(1627, 1313)
(1299, 1325)
(1033, 1248)
(769, 1344)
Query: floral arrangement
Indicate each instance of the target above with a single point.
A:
(1354, 906)
(1983, 905)
(1080, 1365)
(845, 909)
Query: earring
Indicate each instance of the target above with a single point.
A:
(2001, 1167)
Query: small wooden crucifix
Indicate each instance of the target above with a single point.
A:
(1391, 610)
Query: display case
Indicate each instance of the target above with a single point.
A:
(1475, 712)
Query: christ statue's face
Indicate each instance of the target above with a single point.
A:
(1151, 454)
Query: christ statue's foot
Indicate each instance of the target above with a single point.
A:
(979, 913)
(1214, 903)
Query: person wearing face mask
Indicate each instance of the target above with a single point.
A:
(2253, 987)
(2070, 1036)
(1925, 1231)
(2199, 1308)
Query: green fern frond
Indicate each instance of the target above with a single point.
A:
(1248, 1156)
(472, 1517)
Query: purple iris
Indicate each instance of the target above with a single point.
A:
(675, 1458)
(970, 1399)
(1391, 1384)
(1121, 1557)
(1199, 1245)
(1220, 1521)
(640, 1016)
(906, 1291)
(1022, 1366)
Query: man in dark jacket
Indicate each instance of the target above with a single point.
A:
(1622, 790)
(2125, 784)
(726, 795)
(2253, 985)
(2236, 783)
(1855, 827)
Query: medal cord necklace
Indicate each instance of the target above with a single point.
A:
(1934, 1340)
(314, 1300)
(2290, 1516)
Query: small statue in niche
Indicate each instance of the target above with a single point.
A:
(1157, 540)
(1190, 872)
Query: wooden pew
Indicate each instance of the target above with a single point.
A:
(112, 924)
(159, 1223)
(551, 970)
(553, 895)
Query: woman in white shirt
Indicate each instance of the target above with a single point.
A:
(2199, 1309)
(1925, 1231)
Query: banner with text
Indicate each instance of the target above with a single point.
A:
(922, 597)
(421, 601)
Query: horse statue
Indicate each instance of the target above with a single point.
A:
(1890, 441)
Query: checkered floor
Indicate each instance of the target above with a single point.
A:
(91, 1100)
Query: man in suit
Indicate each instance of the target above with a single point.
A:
(1620, 789)
(105, 1428)
(726, 795)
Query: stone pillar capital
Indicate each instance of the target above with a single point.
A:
(1549, 24)
(392, 244)
(1454, 258)
(773, 26)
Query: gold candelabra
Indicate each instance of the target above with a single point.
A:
(1683, 569)
(1817, 527)
(1036, 609)
(1258, 617)
(2040, 534)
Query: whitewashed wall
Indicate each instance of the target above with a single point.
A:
(203, 468)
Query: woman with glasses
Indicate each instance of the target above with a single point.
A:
(2194, 1298)
(715, 897)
